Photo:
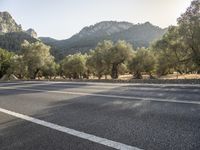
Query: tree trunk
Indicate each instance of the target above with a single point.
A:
(179, 71)
(114, 72)
(151, 76)
(99, 76)
(35, 74)
(198, 71)
(75, 76)
(85, 76)
(106, 76)
(20, 76)
(137, 75)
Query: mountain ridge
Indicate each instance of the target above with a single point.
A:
(139, 35)
(8, 24)
(12, 35)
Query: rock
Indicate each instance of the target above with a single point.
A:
(8, 24)
(32, 33)
(9, 77)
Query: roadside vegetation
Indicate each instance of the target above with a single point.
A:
(177, 51)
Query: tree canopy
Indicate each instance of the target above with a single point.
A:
(98, 61)
(142, 61)
(37, 56)
(5, 61)
(74, 66)
(179, 49)
(119, 53)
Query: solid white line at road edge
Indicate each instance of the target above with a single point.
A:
(73, 132)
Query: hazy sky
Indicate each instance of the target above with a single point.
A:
(62, 18)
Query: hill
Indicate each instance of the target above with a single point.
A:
(8, 24)
(140, 35)
(12, 41)
(12, 34)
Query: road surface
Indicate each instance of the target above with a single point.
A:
(98, 116)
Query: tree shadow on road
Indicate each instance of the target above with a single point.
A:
(146, 124)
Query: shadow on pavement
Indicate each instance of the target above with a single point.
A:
(144, 124)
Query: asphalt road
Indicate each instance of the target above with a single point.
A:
(80, 116)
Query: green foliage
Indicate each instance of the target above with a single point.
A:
(50, 69)
(12, 41)
(37, 57)
(170, 52)
(123, 69)
(98, 61)
(142, 61)
(189, 30)
(179, 49)
(18, 67)
(74, 66)
(107, 58)
(5, 61)
(119, 53)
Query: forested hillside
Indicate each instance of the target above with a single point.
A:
(12, 41)
(139, 35)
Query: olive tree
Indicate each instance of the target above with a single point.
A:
(189, 30)
(5, 61)
(142, 61)
(37, 56)
(50, 70)
(18, 67)
(98, 60)
(119, 53)
(74, 66)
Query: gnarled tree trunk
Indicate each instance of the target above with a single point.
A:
(137, 75)
(34, 75)
(114, 71)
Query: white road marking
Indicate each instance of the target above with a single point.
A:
(109, 96)
(90, 137)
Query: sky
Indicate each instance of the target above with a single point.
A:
(60, 19)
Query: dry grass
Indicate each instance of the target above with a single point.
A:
(169, 76)
(129, 77)
(178, 76)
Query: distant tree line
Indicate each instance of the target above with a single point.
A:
(34, 61)
(178, 50)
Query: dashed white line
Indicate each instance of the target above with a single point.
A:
(90, 137)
